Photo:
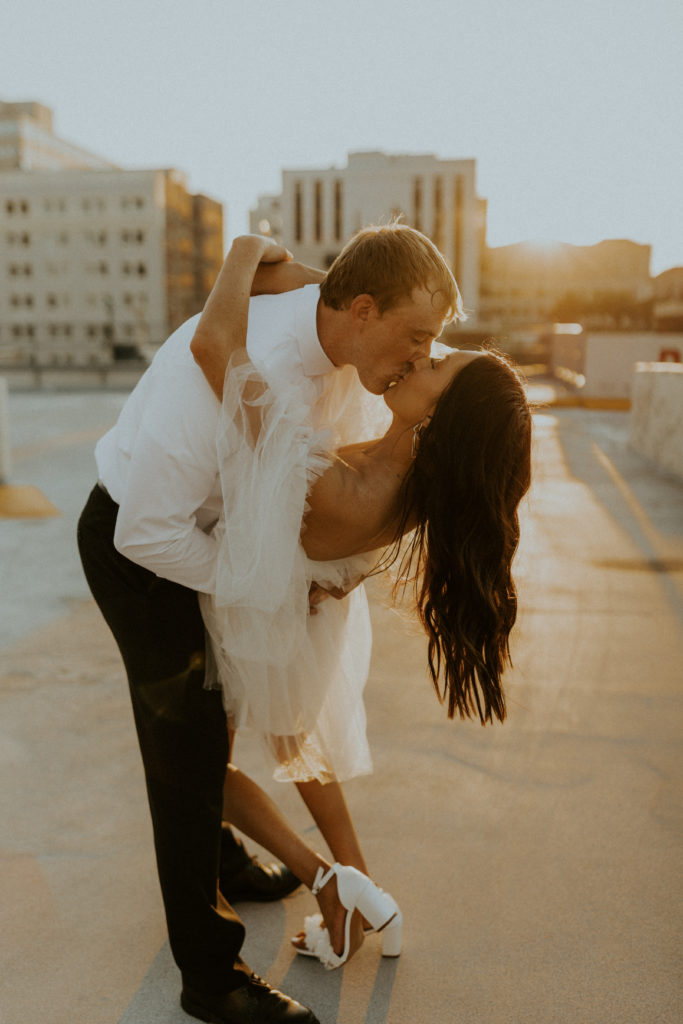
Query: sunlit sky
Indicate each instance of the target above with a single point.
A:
(573, 111)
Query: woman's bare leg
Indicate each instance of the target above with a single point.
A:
(251, 810)
(328, 808)
(330, 812)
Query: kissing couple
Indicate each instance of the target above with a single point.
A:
(300, 434)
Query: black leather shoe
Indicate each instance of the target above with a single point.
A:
(253, 1003)
(258, 882)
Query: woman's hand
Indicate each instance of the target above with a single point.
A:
(258, 249)
(283, 276)
(275, 252)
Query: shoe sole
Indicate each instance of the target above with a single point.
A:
(211, 1018)
(199, 1012)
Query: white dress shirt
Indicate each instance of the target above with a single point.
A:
(159, 461)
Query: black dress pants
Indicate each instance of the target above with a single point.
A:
(184, 744)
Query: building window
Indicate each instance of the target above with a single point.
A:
(458, 199)
(23, 331)
(298, 212)
(417, 203)
(437, 231)
(318, 211)
(132, 202)
(16, 206)
(338, 210)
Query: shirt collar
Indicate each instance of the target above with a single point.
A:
(313, 360)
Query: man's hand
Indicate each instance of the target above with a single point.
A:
(317, 594)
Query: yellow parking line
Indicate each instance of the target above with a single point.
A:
(25, 502)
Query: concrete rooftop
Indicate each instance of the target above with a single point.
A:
(538, 864)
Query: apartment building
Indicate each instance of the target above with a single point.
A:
(319, 209)
(97, 264)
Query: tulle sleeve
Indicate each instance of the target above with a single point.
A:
(294, 679)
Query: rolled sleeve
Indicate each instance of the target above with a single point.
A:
(171, 476)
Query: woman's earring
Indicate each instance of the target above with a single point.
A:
(417, 432)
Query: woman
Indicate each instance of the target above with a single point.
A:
(451, 467)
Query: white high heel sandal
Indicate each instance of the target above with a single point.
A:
(356, 892)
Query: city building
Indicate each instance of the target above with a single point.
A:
(319, 209)
(602, 286)
(668, 300)
(98, 264)
(28, 142)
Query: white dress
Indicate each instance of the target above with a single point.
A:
(294, 679)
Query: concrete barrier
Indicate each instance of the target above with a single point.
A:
(656, 427)
(600, 365)
(5, 448)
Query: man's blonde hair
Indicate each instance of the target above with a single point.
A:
(388, 261)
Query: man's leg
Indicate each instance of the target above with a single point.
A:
(183, 741)
(184, 745)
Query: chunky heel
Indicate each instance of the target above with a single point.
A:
(376, 906)
(356, 892)
(392, 936)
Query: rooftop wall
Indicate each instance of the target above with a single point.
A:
(656, 428)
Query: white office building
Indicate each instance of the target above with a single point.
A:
(321, 208)
(97, 264)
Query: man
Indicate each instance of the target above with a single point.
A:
(147, 550)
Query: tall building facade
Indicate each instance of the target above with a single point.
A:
(100, 264)
(321, 208)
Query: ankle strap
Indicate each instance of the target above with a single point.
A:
(321, 879)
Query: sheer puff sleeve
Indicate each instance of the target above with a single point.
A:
(294, 679)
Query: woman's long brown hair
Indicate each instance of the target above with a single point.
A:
(472, 467)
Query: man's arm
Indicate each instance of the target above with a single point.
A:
(170, 476)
